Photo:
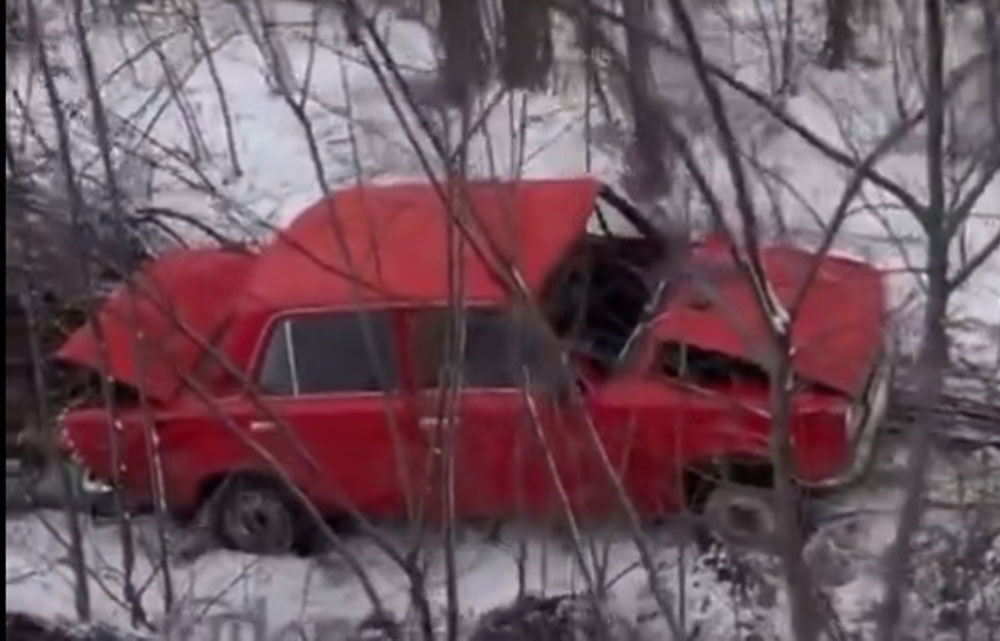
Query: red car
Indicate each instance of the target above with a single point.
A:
(324, 359)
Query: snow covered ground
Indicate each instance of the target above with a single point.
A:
(278, 591)
(739, 593)
(174, 153)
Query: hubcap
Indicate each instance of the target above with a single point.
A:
(745, 520)
(258, 521)
(742, 518)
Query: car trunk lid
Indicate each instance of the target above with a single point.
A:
(153, 328)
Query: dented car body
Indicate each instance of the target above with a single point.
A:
(329, 354)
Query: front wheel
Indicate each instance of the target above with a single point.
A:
(255, 515)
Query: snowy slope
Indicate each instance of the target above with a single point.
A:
(166, 164)
(721, 595)
(278, 591)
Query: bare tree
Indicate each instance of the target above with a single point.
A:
(940, 224)
(839, 33)
(466, 56)
(651, 166)
(788, 48)
(527, 44)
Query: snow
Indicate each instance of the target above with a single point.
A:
(856, 528)
(282, 590)
(360, 138)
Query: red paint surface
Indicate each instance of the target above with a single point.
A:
(153, 327)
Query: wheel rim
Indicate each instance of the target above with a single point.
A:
(746, 521)
(744, 518)
(258, 521)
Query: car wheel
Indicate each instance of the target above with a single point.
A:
(255, 515)
(742, 516)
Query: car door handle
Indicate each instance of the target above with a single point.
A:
(262, 426)
(428, 423)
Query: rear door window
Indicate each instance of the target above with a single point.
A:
(329, 352)
(707, 368)
(499, 349)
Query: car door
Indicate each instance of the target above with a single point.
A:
(639, 418)
(497, 462)
(333, 376)
(637, 421)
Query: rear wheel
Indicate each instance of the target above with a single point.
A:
(256, 515)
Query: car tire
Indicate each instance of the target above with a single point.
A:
(256, 515)
(742, 516)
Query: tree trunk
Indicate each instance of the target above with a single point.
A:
(839, 37)
(526, 58)
(651, 172)
(788, 50)
(931, 363)
(801, 595)
(466, 60)
(933, 357)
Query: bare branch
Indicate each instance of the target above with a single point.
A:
(750, 258)
(975, 262)
(961, 211)
(198, 29)
(897, 133)
(105, 148)
(81, 592)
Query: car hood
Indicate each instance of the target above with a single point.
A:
(391, 241)
(154, 325)
(836, 337)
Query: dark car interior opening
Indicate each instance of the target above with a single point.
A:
(603, 289)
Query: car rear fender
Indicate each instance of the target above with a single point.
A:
(87, 435)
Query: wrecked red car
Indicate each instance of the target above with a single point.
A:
(373, 341)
